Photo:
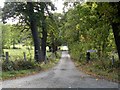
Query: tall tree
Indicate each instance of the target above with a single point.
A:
(44, 31)
(54, 33)
(29, 13)
(33, 26)
(86, 29)
(111, 13)
(116, 26)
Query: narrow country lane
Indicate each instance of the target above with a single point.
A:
(64, 75)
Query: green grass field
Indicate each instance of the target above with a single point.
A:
(17, 54)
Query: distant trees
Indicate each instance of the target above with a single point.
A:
(9, 36)
(54, 33)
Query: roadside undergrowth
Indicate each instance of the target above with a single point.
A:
(11, 72)
(95, 69)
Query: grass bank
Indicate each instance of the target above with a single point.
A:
(93, 68)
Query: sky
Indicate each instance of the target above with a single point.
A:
(2, 3)
(59, 5)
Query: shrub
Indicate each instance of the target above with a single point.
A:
(8, 66)
(25, 65)
(17, 65)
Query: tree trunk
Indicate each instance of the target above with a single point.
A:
(44, 33)
(53, 44)
(54, 47)
(44, 39)
(33, 26)
(116, 32)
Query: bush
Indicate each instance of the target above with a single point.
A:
(25, 65)
(17, 65)
(77, 51)
(8, 66)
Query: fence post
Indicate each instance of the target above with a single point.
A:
(7, 57)
(113, 60)
(24, 56)
(45, 59)
(88, 57)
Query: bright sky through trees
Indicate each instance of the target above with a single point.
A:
(2, 3)
(58, 4)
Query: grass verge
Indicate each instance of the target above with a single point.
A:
(22, 73)
(110, 74)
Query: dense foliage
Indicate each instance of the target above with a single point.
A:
(89, 27)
